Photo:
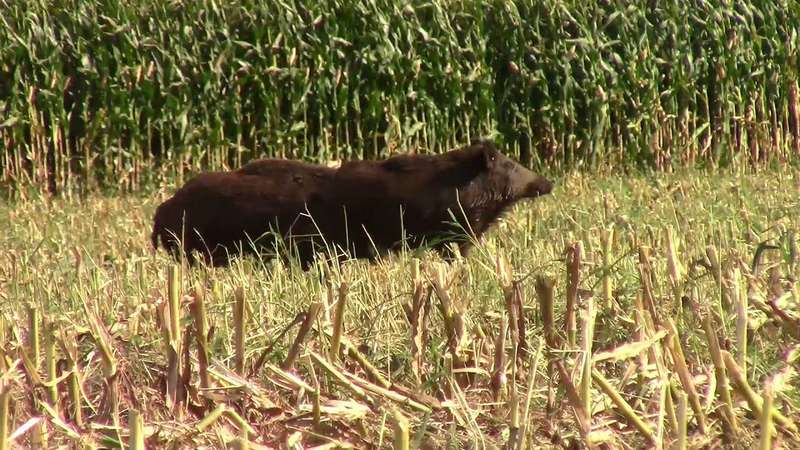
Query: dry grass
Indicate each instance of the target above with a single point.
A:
(683, 330)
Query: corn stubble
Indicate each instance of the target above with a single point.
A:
(629, 339)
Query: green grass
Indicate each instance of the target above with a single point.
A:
(124, 94)
(73, 259)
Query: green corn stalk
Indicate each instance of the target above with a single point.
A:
(401, 431)
(765, 421)
(3, 339)
(574, 253)
(34, 338)
(740, 300)
(499, 378)
(754, 400)
(109, 364)
(50, 363)
(67, 343)
(198, 310)
(5, 400)
(172, 334)
(625, 408)
(240, 325)
(685, 376)
(338, 323)
(607, 238)
(586, 347)
(721, 375)
(136, 427)
(682, 420)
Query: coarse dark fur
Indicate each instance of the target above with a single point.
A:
(368, 208)
(218, 214)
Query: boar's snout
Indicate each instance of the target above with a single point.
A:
(539, 186)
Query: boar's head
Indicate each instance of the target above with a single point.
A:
(503, 179)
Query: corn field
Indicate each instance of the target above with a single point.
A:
(121, 94)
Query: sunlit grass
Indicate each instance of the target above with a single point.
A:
(74, 259)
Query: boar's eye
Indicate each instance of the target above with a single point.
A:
(489, 157)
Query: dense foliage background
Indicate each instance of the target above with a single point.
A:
(122, 93)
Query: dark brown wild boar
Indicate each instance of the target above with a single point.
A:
(368, 208)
